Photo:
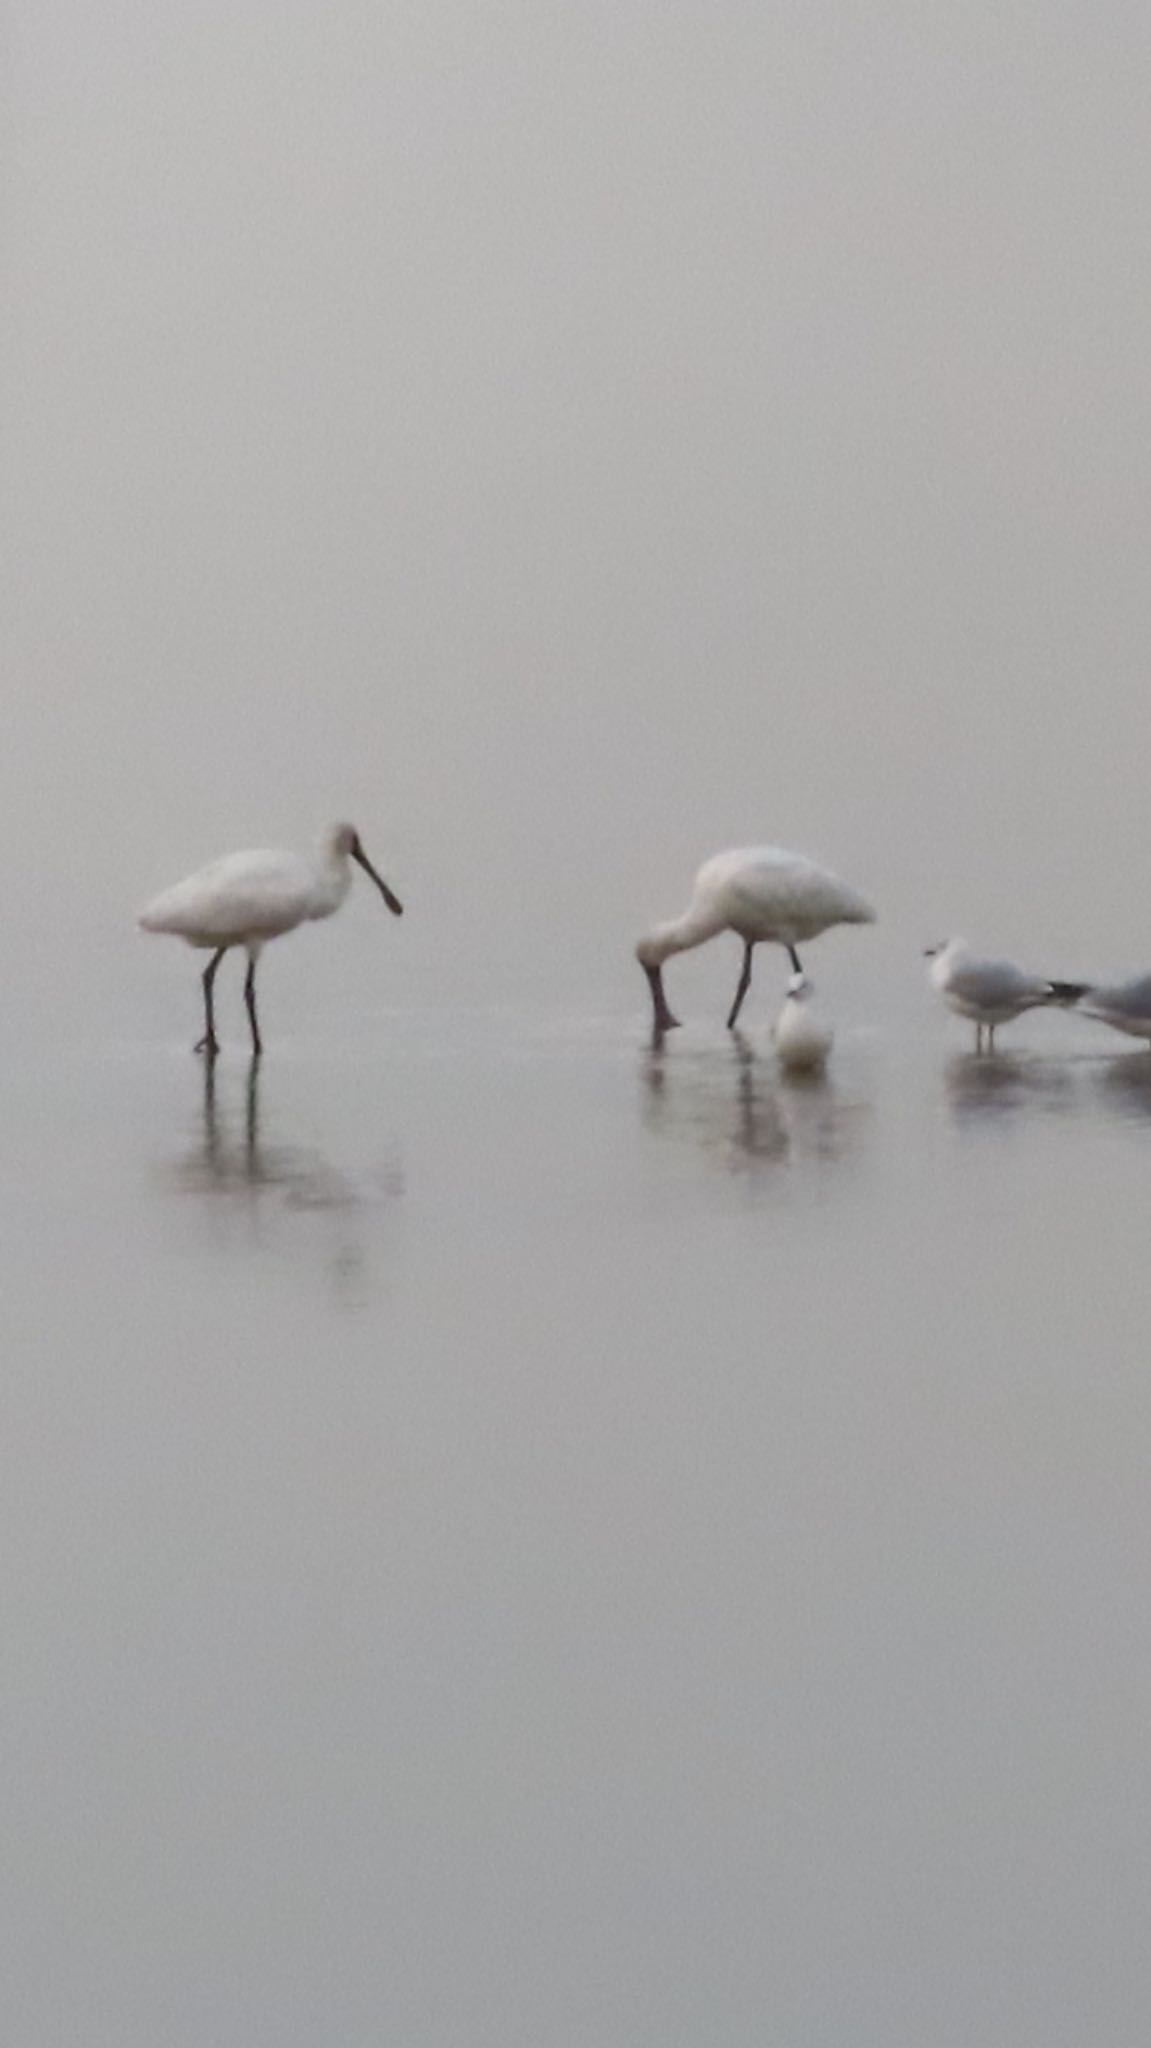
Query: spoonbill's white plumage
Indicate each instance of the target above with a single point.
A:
(245, 899)
(1125, 1005)
(803, 1037)
(991, 992)
(760, 893)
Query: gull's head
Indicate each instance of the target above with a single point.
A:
(940, 946)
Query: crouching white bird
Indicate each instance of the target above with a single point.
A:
(991, 992)
(803, 1037)
(1125, 1005)
(248, 898)
(762, 893)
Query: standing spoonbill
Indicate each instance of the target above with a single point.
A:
(760, 893)
(991, 992)
(248, 898)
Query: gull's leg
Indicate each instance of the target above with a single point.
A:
(795, 960)
(250, 1003)
(210, 1043)
(744, 984)
(991, 1038)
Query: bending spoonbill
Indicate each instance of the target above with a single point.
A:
(991, 992)
(761, 893)
(248, 898)
(803, 1037)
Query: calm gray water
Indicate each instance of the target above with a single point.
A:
(509, 1541)
(512, 1537)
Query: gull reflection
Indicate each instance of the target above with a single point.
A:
(1124, 1084)
(233, 1163)
(740, 1110)
(985, 1087)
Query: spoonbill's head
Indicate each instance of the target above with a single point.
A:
(799, 988)
(344, 841)
(341, 840)
(651, 952)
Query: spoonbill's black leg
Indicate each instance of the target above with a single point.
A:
(211, 1127)
(252, 1122)
(744, 984)
(250, 1001)
(210, 1043)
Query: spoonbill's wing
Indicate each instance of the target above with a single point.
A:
(792, 892)
(242, 896)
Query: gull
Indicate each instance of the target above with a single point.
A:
(803, 1037)
(760, 893)
(1125, 1005)
(991, 992)
(245, 899)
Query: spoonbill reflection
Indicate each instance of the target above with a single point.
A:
(760, 893)
(245, 899)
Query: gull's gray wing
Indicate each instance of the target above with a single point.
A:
(1130, 1000)
(996, 983)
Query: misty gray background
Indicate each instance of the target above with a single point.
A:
(507, 1541)
(567, 439)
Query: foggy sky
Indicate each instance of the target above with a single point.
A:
(570, 439)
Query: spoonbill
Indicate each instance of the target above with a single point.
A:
(760, 893)
(991, 992)
(245, 899)
(803, 1037)
(1125, 1005)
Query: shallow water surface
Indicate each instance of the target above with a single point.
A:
(514, 1535)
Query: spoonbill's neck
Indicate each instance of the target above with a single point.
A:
(332, 877)
(678, 935)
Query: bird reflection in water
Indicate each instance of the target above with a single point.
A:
(1124, 1085)
(984, 1088)
(234, 1161)
(742, 1111)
